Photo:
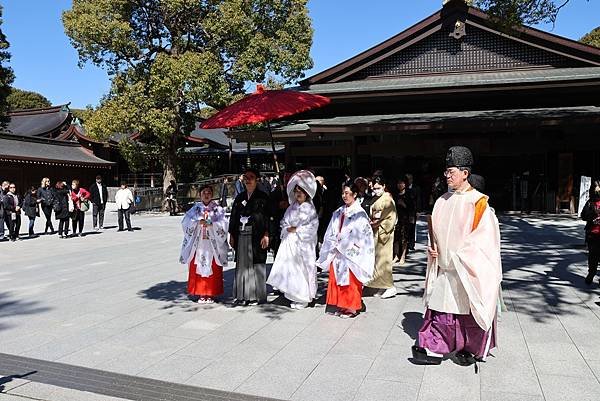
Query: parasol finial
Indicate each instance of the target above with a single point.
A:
(260, 89)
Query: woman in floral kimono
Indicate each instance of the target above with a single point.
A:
(205, 247)
(294, 272)
(348, 252)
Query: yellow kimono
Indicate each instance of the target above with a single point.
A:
(383, 211)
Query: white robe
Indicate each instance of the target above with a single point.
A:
(465, 277)
(204, 250)
(350, 249)
(294, 270)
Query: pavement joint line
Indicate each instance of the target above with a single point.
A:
(399, 311)
(278, 352)
(321, 359)
(19, 396)
(113, 384)
(571, 290)
(537, 375)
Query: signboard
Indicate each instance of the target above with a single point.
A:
(584, 192)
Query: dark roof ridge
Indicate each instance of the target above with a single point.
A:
(36, 139)
(40, 110)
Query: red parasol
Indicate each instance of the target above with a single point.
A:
(264, 106)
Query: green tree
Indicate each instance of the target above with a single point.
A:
(83, 114)
(508, 13)
(169, 59)
(21, 99)
(592, 38)
(6, 76)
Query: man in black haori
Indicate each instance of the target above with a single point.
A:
(249, 237)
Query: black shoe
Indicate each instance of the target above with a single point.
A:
(120, 229)
(464, 358)
(420, 357)
(589, 279)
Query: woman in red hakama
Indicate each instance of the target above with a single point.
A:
(348, 251)
(205, 247)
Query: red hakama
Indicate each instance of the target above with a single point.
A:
(205, 286)
(347, 296)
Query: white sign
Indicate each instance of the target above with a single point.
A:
(584, 192)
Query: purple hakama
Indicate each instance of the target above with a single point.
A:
(444, 333)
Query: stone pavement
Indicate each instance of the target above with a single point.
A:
(116, 302)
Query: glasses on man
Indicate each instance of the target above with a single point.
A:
(451, 172)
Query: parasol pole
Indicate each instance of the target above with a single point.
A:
(230, 154)
(273, 149)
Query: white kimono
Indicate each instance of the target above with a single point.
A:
(294, 270)
(350, 249)
(204, 242)
(465, 277)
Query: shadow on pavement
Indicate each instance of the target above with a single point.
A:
(411, 323)
(12, 307)
(7, 379)
(544, 264)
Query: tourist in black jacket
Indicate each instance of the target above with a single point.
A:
(61, 208)
(46, 198)
(12, 212)
(30, 208)
(3, 190)
(99, 197)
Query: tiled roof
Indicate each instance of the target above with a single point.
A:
(518, 77)
(47, 151)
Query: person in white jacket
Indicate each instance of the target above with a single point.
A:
(124, 200)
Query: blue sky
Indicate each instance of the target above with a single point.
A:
(44, 61)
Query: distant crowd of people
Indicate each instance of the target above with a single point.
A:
(69, 204)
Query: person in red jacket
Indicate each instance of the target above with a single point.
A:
(591, 214)
(80, 198)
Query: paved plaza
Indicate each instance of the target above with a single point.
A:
(116, 302)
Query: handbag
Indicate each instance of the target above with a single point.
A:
(84, 206)
(71, 204)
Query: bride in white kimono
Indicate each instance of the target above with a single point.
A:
(294, 272)
(205, 247)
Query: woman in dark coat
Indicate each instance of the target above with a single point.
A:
(405, 208)
(44, 194)
(61, 208)
(30, 208)
(249, 237)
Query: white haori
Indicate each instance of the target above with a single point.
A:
(465, 277)
(294, 271)
(204, 243)
(350, 249)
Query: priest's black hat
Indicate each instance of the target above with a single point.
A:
(459, 156)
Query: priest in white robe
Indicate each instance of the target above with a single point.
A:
(464, 271)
